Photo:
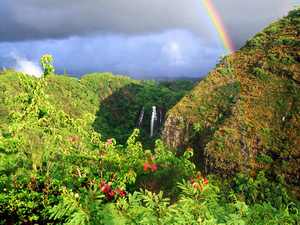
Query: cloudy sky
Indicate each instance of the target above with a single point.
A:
(141, 38)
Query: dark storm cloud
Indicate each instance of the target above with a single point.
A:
(136, 37)
(36, 19)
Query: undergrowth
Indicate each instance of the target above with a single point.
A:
(56, 170)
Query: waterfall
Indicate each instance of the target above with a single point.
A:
(153, 120)
(141, 117)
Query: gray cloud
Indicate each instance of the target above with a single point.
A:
(141, 38)
(36, 19)
(243, 18)
(63, 18)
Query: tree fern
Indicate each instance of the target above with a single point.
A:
(69, 210)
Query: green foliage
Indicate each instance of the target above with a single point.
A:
(206, 206)
(52, 162)
(70, 153)
(264, 158)
(260, 73)
(23, 203)
(84, 208)
(52, 170)
(261, 190)
(47, 65)
(288, 41)
(226, 69)
(217, 108)
(258, 41)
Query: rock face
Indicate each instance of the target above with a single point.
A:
(176, 132)
(246, 114)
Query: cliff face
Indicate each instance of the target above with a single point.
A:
(246, 114)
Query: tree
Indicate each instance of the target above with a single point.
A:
(47, 64)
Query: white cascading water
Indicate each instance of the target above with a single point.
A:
(153, 120)
(141, 117)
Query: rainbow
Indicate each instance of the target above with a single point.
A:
(218, 24)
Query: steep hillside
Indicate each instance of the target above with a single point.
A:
(245, 115)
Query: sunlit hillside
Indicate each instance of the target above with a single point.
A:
(245, 116)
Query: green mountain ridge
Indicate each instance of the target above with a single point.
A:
(245, 116)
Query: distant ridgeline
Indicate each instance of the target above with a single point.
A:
(110, 104)
(245, 115)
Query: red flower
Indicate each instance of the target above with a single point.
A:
(111, 194)
(106, 188)
(122, 193)
(205, 181)
(146, 166)
(153, 167)
(150, 166)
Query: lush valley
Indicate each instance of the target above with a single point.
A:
(110, 104)
(70, 153)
